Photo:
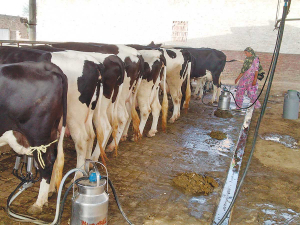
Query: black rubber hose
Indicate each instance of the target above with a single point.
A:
(23, 181)
(261, 114)
(12, 194)
(117, 200)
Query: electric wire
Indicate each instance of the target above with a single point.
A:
(281, 28)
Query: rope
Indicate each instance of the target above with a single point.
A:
(40, 149)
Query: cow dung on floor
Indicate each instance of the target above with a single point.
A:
(223, 113)
(219, 135)
(195, 184)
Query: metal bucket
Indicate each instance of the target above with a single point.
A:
(224, 101)
(291, 105)
(90, 204)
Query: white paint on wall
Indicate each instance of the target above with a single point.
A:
(220, 24)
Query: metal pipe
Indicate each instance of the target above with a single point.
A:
(32, 20)
(278, 21)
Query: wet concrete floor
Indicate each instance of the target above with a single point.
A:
(143, 171)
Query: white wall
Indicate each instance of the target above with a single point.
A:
(220, 24)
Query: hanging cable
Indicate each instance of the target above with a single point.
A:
(281, 28)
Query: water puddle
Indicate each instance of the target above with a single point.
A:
(275, 214)
(286, 140)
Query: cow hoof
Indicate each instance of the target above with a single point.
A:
(172, 120)
(215, 102)
(34, 209)
(51, 193)
(124, 138)
(110, 149)
(133, 139)
(151, 133)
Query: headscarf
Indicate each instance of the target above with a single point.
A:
(248, 62)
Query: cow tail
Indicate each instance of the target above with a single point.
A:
(60, 160)
(99, 129)
(165, 103)
(188, 88)
(134, 114)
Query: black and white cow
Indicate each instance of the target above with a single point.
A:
(33, 98)
(85, 74)
(207, 65)
(148, 92)
(133, 74)
(178, 63)
(106, 113)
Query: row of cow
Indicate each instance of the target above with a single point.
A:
(92, 84)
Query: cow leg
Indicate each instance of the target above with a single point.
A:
(175, 91)
(126, 128)
(143, 98)
(216, 78)
(91, 137)
(201, 86)
(103, 126)
(42, 199)
(144, 114)
(197, 88)
(81, 138)
(156, 108)
(125, 132)
(107, 132)
(122, 120)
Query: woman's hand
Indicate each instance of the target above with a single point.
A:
(236, 81)
(255, 78)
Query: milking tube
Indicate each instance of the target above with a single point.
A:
(59, 204)
(25, 185)
(277, 47)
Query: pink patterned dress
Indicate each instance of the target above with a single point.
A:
(245, 84)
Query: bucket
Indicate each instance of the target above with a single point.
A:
(291, 105)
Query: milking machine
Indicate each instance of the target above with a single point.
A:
(89, 201)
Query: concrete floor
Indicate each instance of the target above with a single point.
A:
(142, 172)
